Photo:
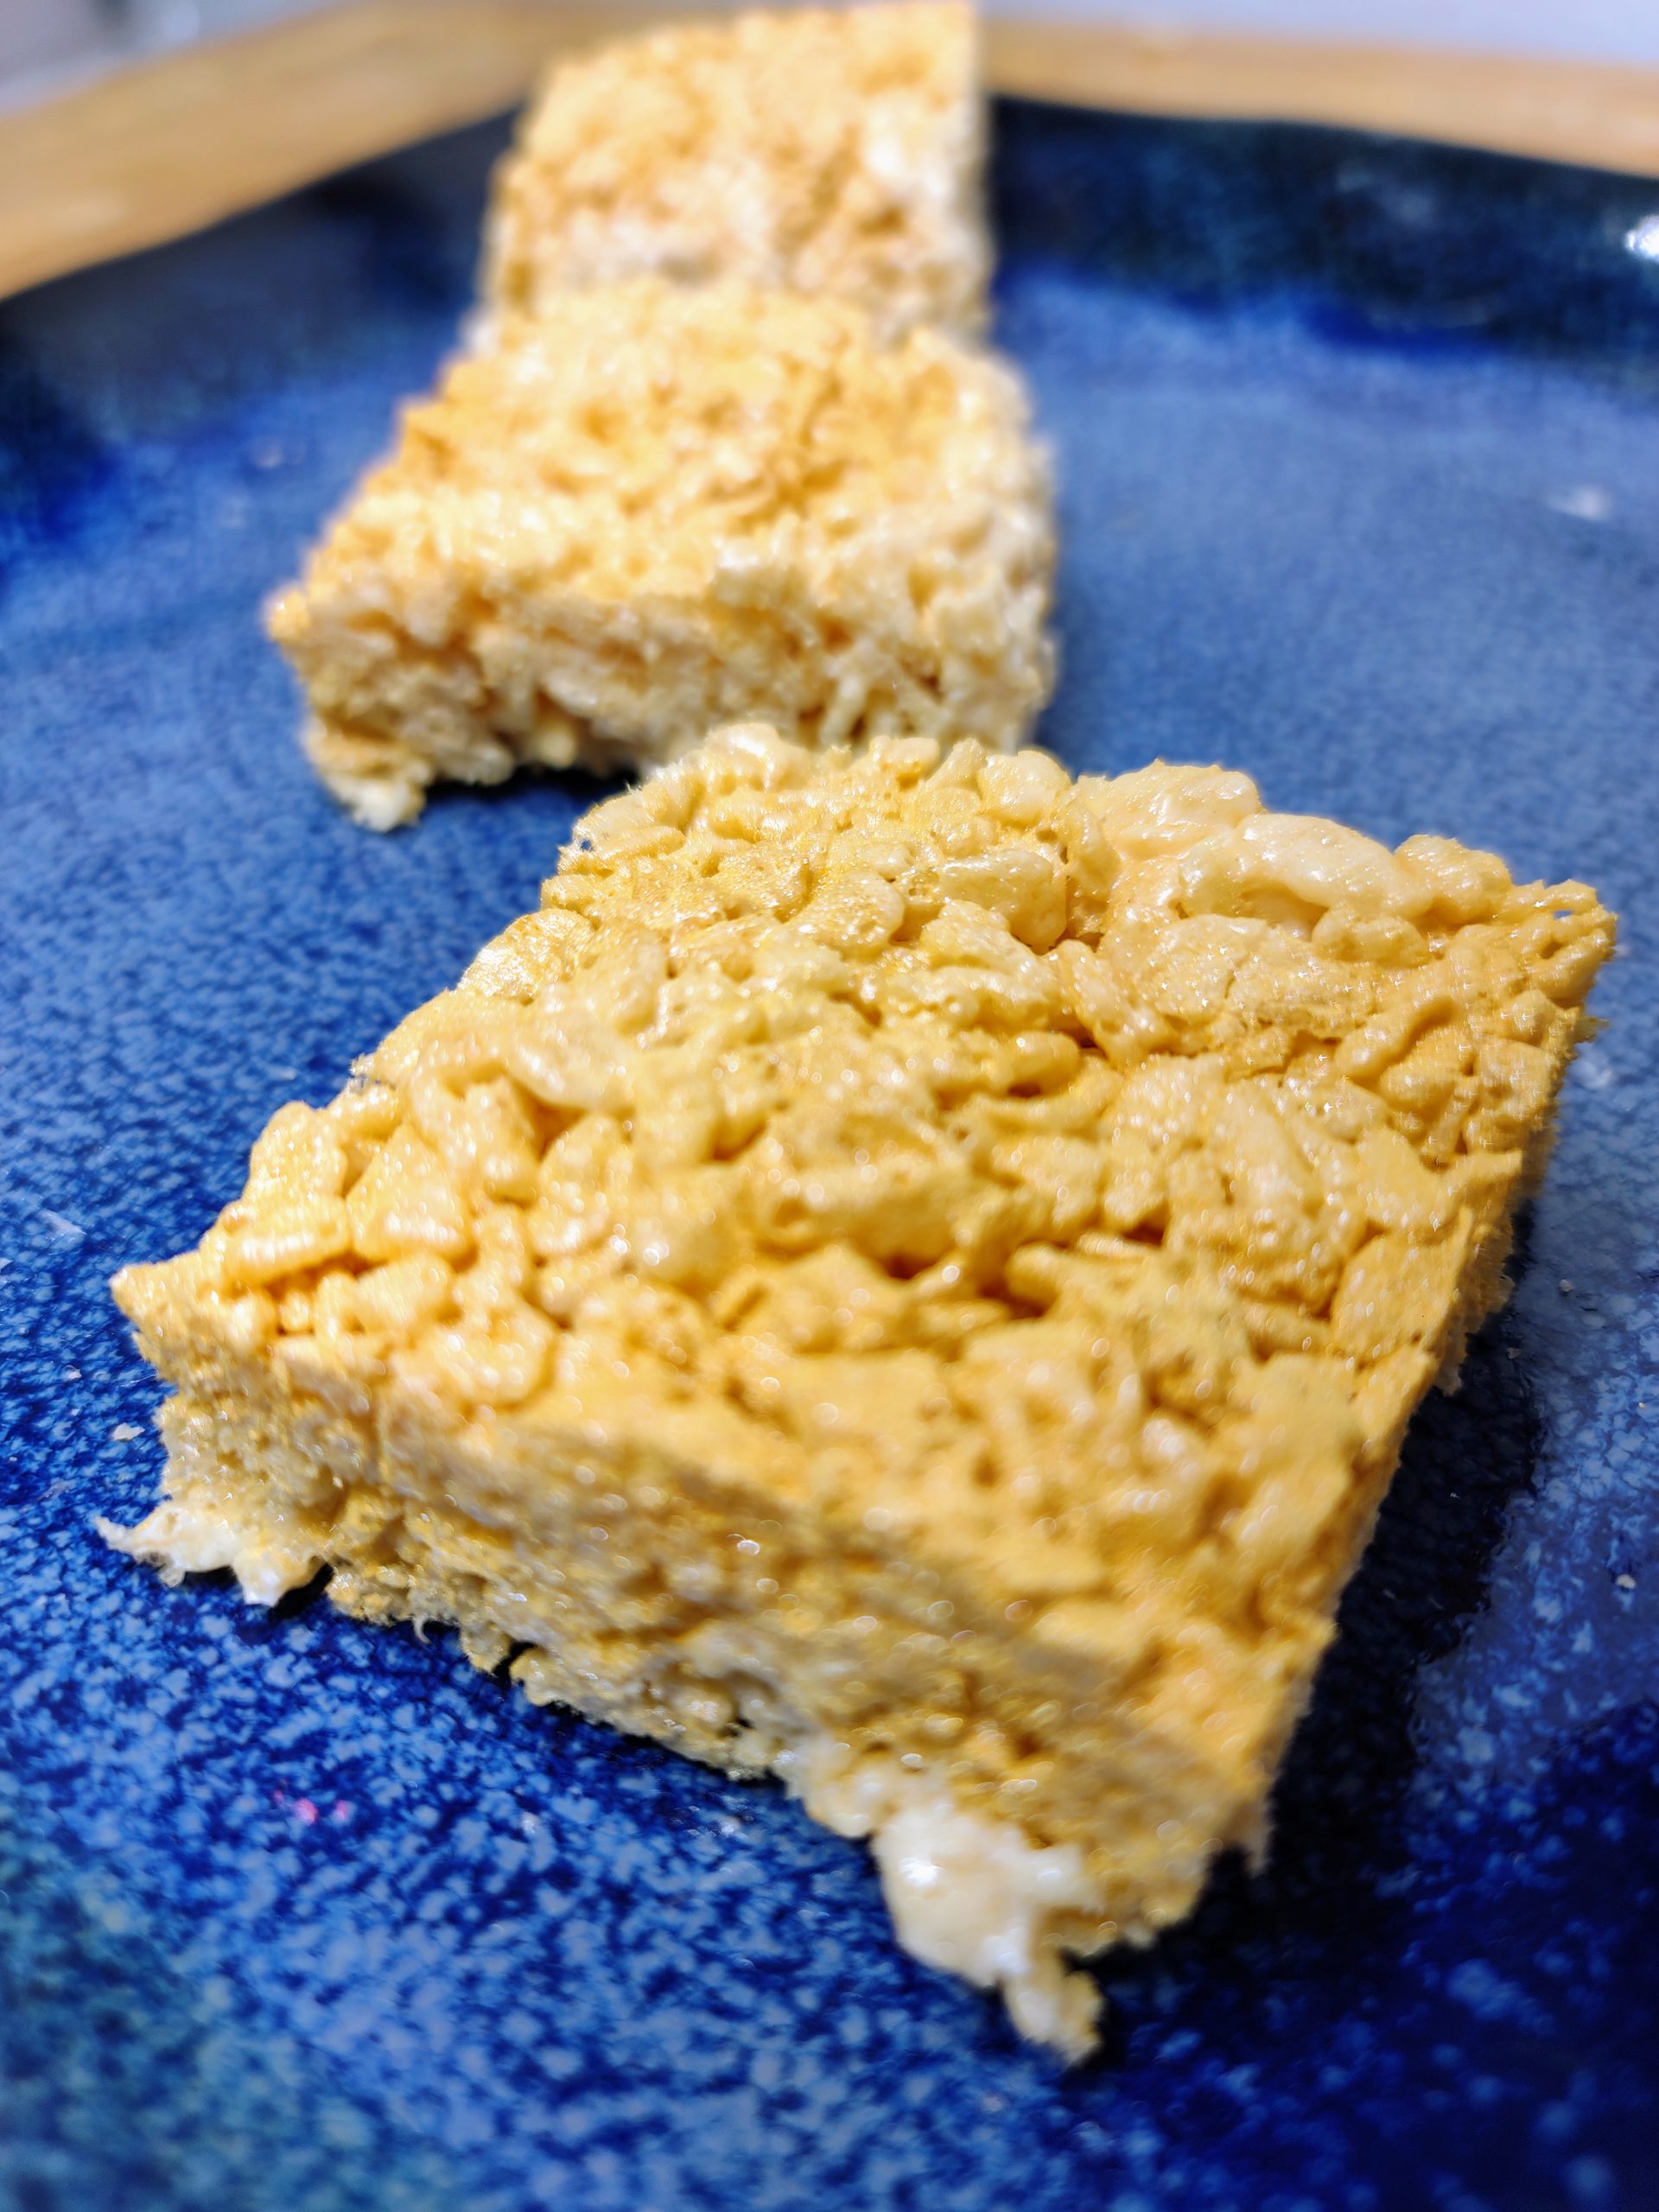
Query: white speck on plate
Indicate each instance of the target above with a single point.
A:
(1584, 502)
(1595, 1072)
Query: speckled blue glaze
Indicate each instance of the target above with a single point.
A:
(1359, 467)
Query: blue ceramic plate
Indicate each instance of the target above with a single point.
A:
(1359, 467)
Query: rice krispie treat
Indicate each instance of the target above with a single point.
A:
(907, 1273)
(812, 152)
(648, 510)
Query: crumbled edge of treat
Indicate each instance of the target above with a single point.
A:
(381, 784)
(974, 1896)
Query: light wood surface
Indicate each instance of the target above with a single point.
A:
(175, 144)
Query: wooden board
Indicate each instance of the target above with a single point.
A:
(177, 143)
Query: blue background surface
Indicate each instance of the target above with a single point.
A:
(1358, 452)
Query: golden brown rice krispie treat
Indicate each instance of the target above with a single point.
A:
(907, 1273)
(817, 151)
(650, 511)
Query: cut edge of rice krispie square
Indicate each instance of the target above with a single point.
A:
(838, 151)
(649, 510)
(909, 1273)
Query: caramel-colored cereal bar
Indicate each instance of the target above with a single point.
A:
(909, 1273)
(650, 511)
(817, 151)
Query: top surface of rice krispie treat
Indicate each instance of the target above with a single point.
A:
(648, 510)
(820, 151)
